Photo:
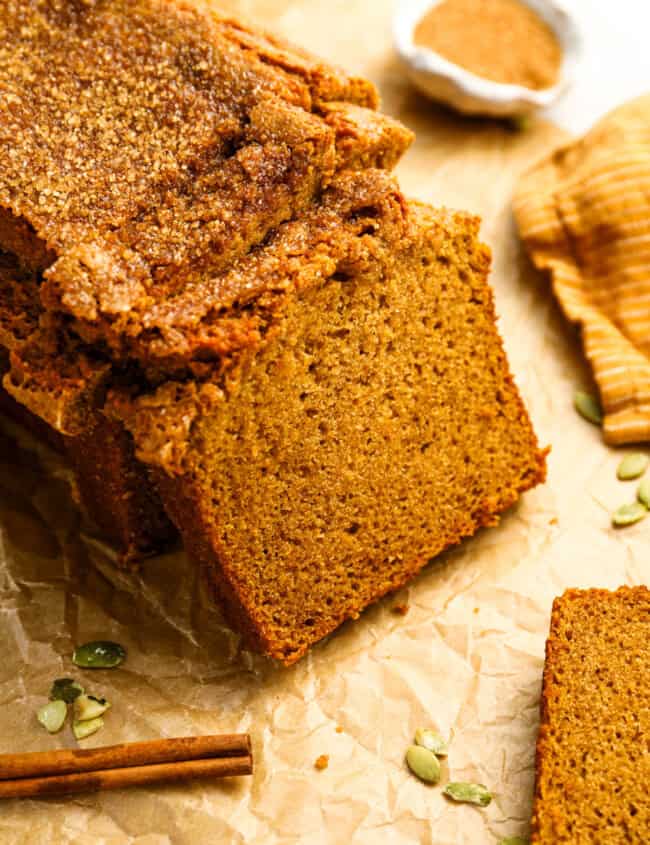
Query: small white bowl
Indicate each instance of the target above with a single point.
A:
(451, 84)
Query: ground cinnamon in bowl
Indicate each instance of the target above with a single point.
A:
(501, 40)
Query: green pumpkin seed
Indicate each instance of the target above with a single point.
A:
(88, 707)
(431, 740)
(588, 407)
(89, 726)
(65, 689)
(632, 466)
(629, 514)
(514, 840)
(99, 654)
(468, 793)
(423, 763)
(643, 493)
(52, 715)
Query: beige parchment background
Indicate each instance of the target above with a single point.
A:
(466, 659)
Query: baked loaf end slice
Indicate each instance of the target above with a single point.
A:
(593, 762)
(376, 425)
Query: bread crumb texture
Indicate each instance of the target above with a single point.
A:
(593, 752)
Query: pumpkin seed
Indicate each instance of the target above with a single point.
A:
(431, 740)
(52, 715)
(643, 494)
(514, 840)
(588, 407)
(89, 726)
(65, 689)
(629, 514)
(99, 654)
(632, 466)
(88, 707)
(468, 793)
(423, 763)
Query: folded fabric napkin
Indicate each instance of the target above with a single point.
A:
(584, 216)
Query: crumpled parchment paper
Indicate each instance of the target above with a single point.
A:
(467, 657)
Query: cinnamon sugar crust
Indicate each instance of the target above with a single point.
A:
(146, 145)
(63, 378)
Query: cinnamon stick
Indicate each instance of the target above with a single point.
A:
(130, 764)
(38, 763)
(95, 781)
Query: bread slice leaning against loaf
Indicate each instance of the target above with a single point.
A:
(369, 423)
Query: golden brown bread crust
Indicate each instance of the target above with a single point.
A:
(592, 765)
(325, 82)
(139, 209)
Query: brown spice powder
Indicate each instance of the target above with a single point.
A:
(501, 40)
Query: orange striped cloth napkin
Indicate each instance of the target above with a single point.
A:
(584, 216)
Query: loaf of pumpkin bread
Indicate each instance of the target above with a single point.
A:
(361, 416)
(308, 365)
(593, 759)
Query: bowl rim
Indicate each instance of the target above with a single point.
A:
(425, 61)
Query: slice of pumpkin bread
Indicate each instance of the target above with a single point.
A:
(593, 751)
(367, 423)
